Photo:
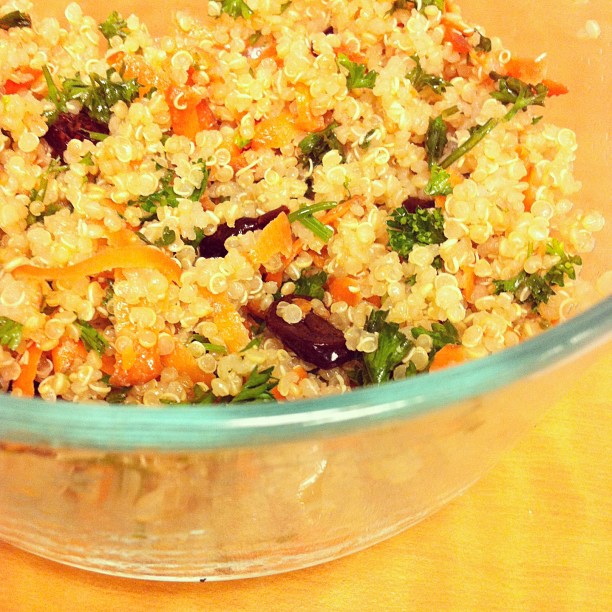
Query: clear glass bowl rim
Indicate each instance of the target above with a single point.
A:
(122, 428)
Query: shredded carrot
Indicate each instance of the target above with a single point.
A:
(354, 56)
(228, 320)
(26, 78)
(275, 238)
(301, 372)
(139, 367)
(555, 88)
(530, 193)
(469, 281)
(277, 395)
(108, 364)
(182, 359)
(123, 238)
(317, 259)
(136, 67)
(375, 300)
(275, 132)
(66, 354)
(274, 277)
(345, 289)
(304, 305)
(305, 119)
(525, 69)
(449, 355)
(331, 216)
(121, 257)
(457, 40)
(25, 380)
(189, 113)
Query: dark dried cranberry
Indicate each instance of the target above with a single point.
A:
(328, 31)
(413, 204)
(214, 246)
(313, 339)
(69, 127)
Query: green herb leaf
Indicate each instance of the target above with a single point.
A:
(393, 347)
(236, 8)
(311, 283)
(202, 397)
(436, 140)
(536, 289)
(421, 79)
(10, 333)
(518, 93)
(317, 144)
(257, 387)
(537, 120)
(167, 238)
(305, 215)
(211, 348)
(484, 44)
(475, 137)
(423, 227)
(418, 4)
(439, 182)
(91, 337)
(441, 334)
(114, 25)
(15, 19)
(358, 75)
(117, 395)
(87, 159)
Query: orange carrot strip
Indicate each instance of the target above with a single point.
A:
(457, 40)
(345, 289)
(65, 355)
(136, 67)
(145, 367)
(449, 355)
(228, 320)
(354, 56)
(193, 115)
(182, 359)
(276, 277)
(375, 300)
(27, 77)
(469, 280)
(525, 69)
(25, 381)
(108, 364)
(275, 238)
(331, 216)
(122, 257)
(555, 88)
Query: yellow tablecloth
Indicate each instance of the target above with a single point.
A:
(534, 534)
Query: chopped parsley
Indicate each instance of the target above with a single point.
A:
(317, 144)
(92, 338)
(117, 395)
(167, 238)
(10, 333)
(114, 25)
(393, 347)
(536, 289)
(406, 230)
(257, 387)
(441, 334)
(518, 93)
(421, 79)
(15, 19)
(305, 215)
(97, 97)
(311, 283)
(87, 159)
(211, 348)
(202, 397)
(236, 8)
(439, 182)
(40, 191)
(484, 44)
(358, 75)
(258, 337)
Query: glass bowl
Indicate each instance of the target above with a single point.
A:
(218, 493)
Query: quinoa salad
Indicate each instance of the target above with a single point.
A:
(275, 200)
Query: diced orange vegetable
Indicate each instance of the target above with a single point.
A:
(274, 277)
(375, 300)
(136, 67)
(301, 372)
(275, 238)
(108, 364)
(121, 257)
(182, 359)
(449, 355)
(525, 69)
(469, 281)
(66, 354)
(530, 193)
(25, 381)
(304, 305)
(305, 119)
(275, 132)
(25, 78)
(189, 113)
(137, 369)
(457, 40)
(228, 320)
(345, 289)
(555, 88)
(354, 56)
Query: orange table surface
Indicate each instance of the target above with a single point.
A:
(533, 534)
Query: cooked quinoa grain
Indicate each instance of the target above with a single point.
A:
(275, 201)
